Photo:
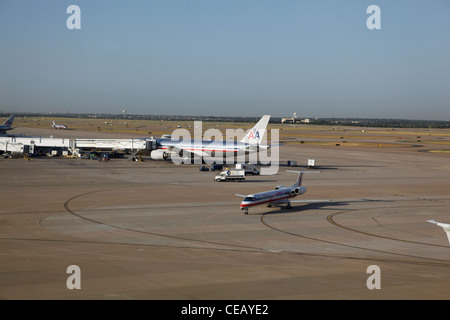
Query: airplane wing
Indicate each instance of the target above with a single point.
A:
(176, 149)
(265, 147)
(448, 234)
(187, 150)
(444, 226)
(319, 200)
(198, 152)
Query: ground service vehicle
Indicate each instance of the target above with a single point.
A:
(248, 168)
(231, 175)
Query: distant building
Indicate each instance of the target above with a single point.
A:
(295, 119)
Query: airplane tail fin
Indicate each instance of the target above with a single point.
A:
(8, 122)
(256, 134)
(300, 177)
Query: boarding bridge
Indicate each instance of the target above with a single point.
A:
(113, 144)
(34, 145)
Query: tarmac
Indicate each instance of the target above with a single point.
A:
(153, 230)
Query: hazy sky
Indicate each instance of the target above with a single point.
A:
(227, 57)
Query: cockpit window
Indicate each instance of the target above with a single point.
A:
(249, 199)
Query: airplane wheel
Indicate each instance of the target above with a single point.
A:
(288, 206)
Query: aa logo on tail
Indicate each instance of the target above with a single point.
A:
(254, 134)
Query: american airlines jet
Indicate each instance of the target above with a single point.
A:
(280, 195)
(58, 126)
(204, 148)
(7, 124)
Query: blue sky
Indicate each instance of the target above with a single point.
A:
(227, 57)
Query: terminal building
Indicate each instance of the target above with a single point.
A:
(294, 119)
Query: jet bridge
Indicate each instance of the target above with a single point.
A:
(37, 145)
(111, 144)
(33, 145)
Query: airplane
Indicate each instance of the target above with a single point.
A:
(58, 126)
(251, 142)
(280, 195)
(7, 124)
(444, 226)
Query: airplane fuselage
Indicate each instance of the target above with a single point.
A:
(199, 146)
(278, 196)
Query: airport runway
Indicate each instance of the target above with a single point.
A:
(154, 230)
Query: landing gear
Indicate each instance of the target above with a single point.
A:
(288, 206)
(245, 211)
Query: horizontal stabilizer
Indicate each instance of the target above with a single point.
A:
(300, 176)
(302, 171)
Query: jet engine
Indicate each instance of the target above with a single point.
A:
(300, 190)
(159, 155)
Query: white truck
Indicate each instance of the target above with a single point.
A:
(231, 175)
(248, 168)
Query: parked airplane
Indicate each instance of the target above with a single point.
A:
(444, 226)
(204, 148)
(280, 195)
(58, 126)
(7, 124)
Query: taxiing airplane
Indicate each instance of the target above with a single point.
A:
(58, 126)
(7, 124)
(204, 148)
(444, 226)
(280, 195)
